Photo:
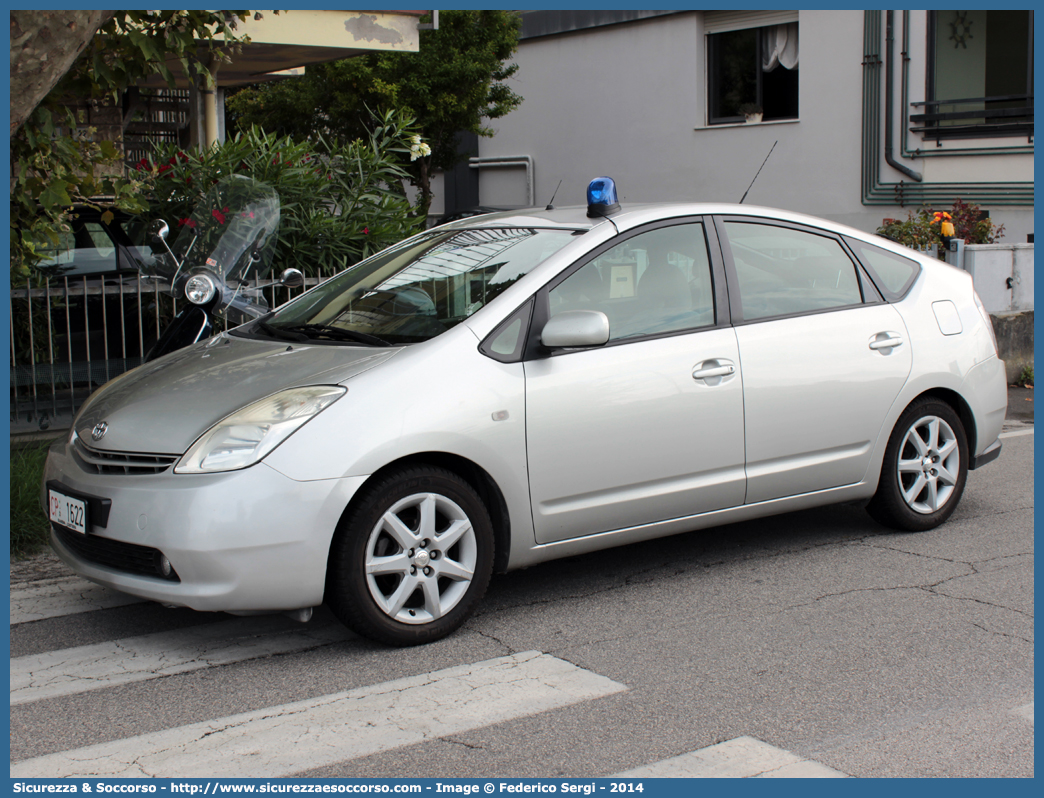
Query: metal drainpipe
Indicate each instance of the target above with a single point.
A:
(889, 91)
(510, 160)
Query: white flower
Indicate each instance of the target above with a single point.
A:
(415, 139)
(419, 149)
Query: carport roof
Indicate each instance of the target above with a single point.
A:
(284, 42)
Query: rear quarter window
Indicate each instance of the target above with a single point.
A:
(893, 274)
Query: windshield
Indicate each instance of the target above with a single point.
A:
(417, 290)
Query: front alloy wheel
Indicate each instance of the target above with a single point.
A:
(925, 468)
(411, 562)
(420, 558)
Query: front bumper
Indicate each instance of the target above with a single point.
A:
(242, 541)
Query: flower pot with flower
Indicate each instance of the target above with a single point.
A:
(752, 112)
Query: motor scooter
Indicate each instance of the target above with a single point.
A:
(220, 255)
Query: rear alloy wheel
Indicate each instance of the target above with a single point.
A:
(412, 562)
(925, 468)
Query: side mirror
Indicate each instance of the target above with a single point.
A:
(572, 328)
(158, 231)
(292, 278)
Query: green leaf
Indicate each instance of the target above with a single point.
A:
(55, 193)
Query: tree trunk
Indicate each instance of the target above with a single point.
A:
(44, 45)
(425, 196)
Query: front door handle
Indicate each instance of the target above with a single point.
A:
(713, 371)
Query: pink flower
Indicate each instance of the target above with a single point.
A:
(218, 215)
(184, 222)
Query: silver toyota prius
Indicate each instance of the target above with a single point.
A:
(522, 386)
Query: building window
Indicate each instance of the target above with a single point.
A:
(980, 75)
(753, 67)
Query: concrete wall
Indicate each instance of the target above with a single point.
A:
(629, 101)
(1014, 333)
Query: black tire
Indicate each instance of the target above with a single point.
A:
(930, 442)
(398, 524)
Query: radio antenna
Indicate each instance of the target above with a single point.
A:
(550, 205)
(745, 193)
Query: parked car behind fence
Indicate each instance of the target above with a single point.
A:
(93, 317)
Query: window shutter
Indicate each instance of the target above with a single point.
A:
(721, 21)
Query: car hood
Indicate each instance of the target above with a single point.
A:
(165, 405)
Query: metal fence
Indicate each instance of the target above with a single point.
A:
(70, 335)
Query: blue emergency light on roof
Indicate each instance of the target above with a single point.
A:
(601, 197)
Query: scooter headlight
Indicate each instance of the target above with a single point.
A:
(248, 435)
(200, 289)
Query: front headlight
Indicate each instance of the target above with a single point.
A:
(248, 435)
(200, 289)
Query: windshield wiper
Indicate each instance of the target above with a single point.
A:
(337, 333)
(280, 332)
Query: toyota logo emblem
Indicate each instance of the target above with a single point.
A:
(99, 431)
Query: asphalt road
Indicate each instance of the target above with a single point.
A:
(872, 653)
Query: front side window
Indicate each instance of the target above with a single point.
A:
(782, 271)
(418, 290)
(980, 75)
(753, 71)
(655, 282)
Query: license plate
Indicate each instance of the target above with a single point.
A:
(67, 511)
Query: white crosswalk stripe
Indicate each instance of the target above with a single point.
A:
(54, 598)
(1025, 711)
(1016, 433)
(741, 758)
(135, 659)
(282, 740)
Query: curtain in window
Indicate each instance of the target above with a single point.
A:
(779, 46)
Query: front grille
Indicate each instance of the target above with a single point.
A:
(95, 461)
(116, 554)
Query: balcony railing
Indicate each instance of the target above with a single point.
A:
(1010, 115)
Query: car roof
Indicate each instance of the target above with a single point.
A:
(630, 216)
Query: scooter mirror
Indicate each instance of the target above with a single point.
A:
(159, 230)
(292, 278)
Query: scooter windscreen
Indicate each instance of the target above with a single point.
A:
(231, 233)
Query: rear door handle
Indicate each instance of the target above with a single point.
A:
(889, 341)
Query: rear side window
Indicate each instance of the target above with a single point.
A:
(893, 274)
(782, 271)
